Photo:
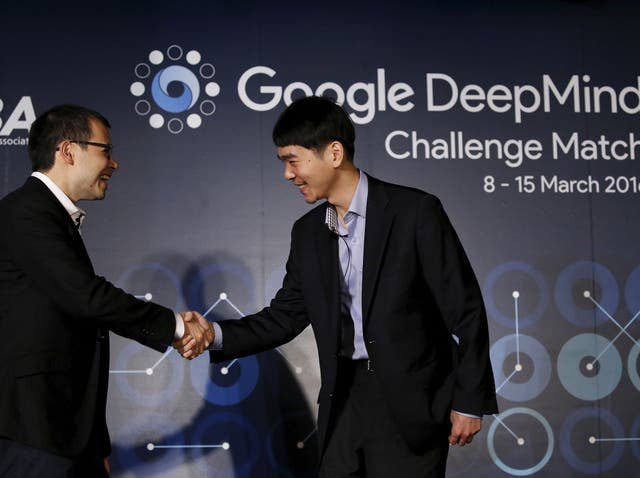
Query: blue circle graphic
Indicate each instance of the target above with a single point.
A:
(632, 291)
(632, 365)
(177, 74)
(602, 463)
(500, 422)
(588, 271)
(147, 393)
(540, 376)
(227, 272)
(595, 350)
(538, 279)
(225, 395)
(233, 429)
(130, 445)
(163, 271)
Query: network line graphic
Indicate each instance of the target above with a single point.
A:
(515, 343)
(224, 370)
(518, 366)
(623, 330)
(631, 361)
(589, 368)
(149, 370)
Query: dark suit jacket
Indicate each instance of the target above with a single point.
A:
(418, 291)
(55, 314)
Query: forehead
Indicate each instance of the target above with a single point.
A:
(99, 132)
(294, 151)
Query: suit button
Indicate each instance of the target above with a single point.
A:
(331, 395)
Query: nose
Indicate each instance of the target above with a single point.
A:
(113, 164)
(288, 172)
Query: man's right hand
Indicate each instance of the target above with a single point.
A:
(198, 335)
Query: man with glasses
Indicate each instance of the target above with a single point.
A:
(56, 313)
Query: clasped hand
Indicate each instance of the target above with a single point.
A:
(198, 335)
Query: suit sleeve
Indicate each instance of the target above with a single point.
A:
(281, 322)
(455, 289)
(49, 256)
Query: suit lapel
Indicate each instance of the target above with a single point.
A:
(378, 226)
(329, 269)
(43, 193)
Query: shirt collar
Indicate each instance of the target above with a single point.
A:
(358, 205)
(359, 201)
(74, 211)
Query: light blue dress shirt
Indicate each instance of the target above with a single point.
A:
(351, 252)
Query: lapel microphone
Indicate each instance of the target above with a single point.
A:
(331, 219)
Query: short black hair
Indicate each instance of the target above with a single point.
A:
(61, 122)
(313, 122)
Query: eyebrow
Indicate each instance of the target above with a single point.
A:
(287, 156)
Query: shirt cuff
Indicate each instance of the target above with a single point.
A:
(470, 415)
(179, 327)
(217, 337)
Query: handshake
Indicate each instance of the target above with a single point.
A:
(198, 335)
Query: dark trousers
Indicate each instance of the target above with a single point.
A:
(364, 440)
(22, 461)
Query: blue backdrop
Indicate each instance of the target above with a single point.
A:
(521, 116)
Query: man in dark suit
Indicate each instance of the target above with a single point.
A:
(56, 313)
(398, 317)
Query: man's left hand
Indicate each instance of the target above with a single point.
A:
(463, 428)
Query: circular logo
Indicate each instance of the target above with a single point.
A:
(174, 89)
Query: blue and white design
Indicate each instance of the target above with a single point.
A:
(183, 89)
(175, 74)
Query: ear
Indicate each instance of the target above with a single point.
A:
(336, 150)
(64, 151)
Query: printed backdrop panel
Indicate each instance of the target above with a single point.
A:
(521, 116)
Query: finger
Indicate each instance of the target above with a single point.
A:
(207, 328)
(188, 347)
(180, 343)
(194, 330)
(202, 346)
(211, 335)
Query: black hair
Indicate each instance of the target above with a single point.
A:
(63, 122)
(313, 122)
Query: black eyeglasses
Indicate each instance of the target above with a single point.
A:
(108, 147)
